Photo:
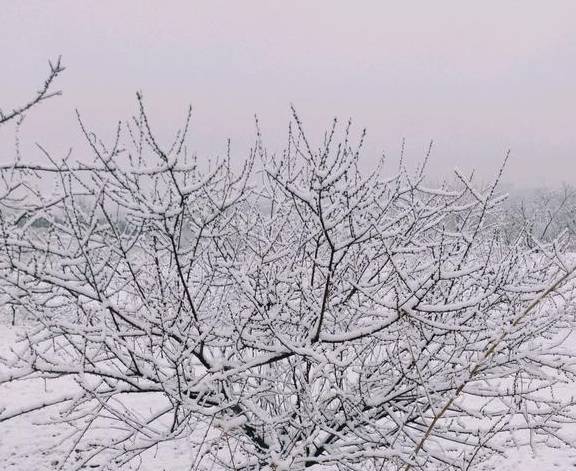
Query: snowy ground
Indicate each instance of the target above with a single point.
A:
(27, 443)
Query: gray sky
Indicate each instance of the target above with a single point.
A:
(477, 77)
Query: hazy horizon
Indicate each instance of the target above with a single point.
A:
(475, 78)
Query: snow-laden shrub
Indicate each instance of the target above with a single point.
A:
(293, 313)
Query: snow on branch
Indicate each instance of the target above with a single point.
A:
(292, 313)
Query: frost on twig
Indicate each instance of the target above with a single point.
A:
(44, 93)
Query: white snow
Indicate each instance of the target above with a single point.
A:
(30, 443)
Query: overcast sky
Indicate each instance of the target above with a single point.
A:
(476, 77)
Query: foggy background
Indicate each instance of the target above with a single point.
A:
(476, 77)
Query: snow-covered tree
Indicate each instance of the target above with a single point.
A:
(15, 183)
(286, 313)
(540, 215)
